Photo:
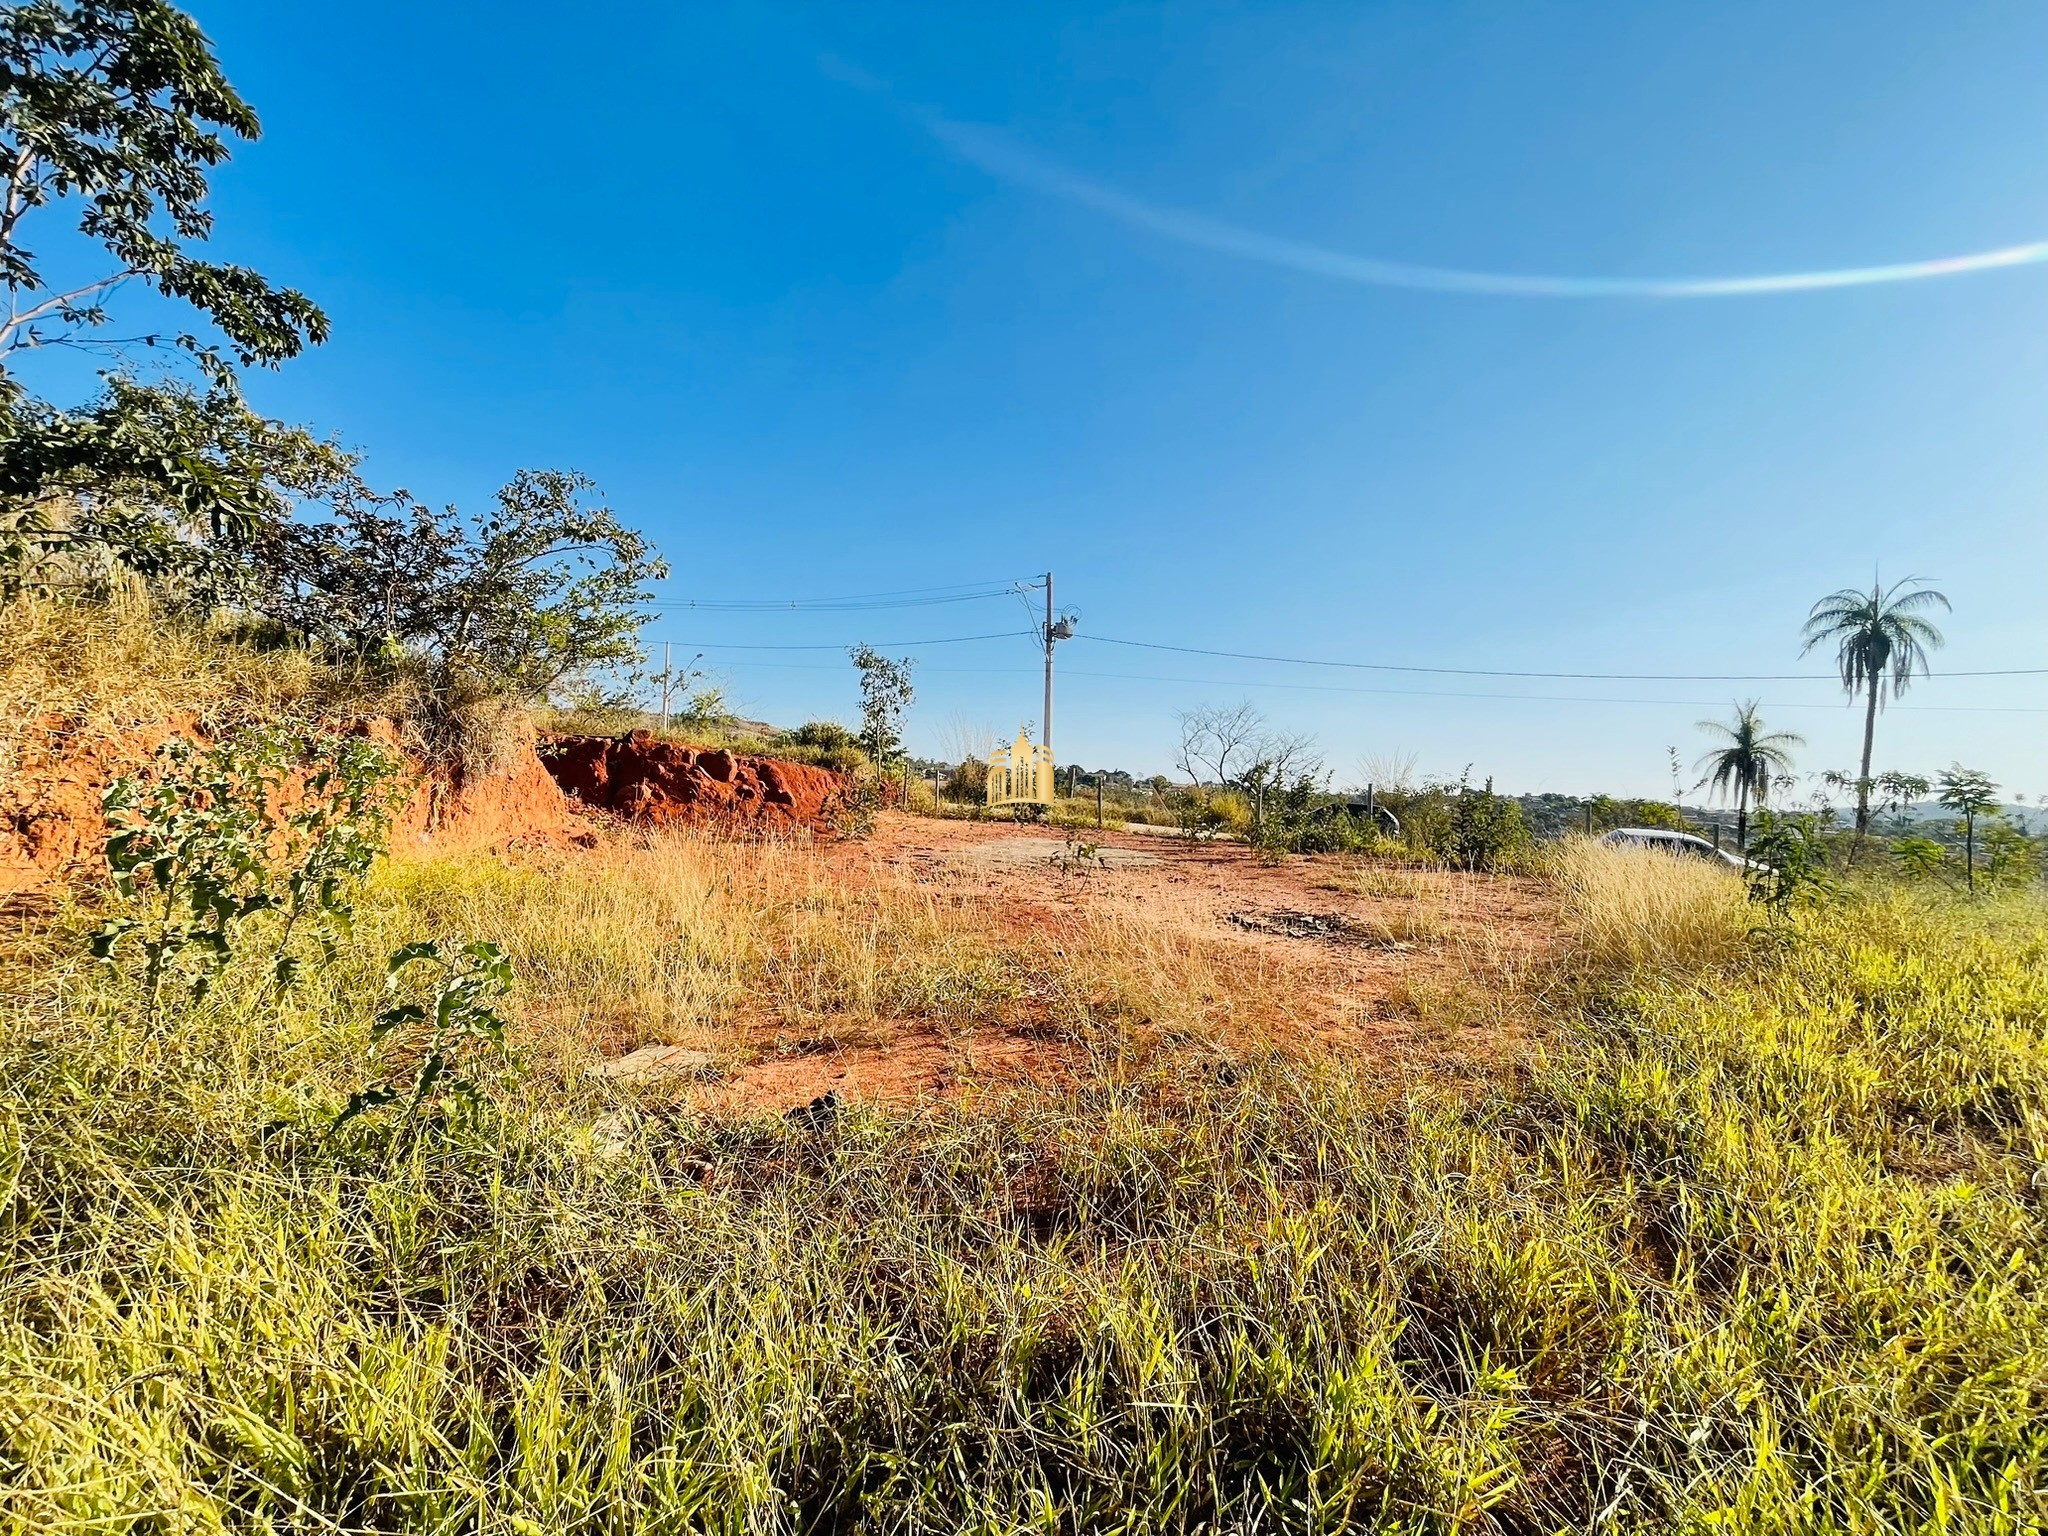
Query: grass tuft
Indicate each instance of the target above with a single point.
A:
(1637, 911)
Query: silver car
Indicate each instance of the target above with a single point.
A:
(1682, 844)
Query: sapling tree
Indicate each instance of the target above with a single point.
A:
(1789, 861)
(1919, 858)
(436, 1045)
(1969, 793)
(2010, 856)
(264, 823)
(885, 694)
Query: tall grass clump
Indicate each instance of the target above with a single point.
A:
(1636, 910)
(91, 671)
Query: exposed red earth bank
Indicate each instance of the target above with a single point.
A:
(51, 827)
(664, 783)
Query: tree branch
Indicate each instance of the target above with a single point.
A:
(56, 303)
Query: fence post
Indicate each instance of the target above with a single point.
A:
(1098, 802)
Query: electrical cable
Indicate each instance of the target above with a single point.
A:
(908, 597)
(1406, 693)
(722, 645)
(1588, 677)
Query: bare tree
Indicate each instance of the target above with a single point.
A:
(962, 737)
(1389, 772)
(1225, 743)
(1219, 741)
(1285, 755)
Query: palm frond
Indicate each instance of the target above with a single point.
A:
(1876, 632)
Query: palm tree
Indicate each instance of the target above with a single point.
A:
(1749, 760)
(1875, 632)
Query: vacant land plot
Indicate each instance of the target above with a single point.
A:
(1183, 1195)
(942, 958)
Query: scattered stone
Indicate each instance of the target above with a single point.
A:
(655, 1061)
(611, 1135)
(820, 1114)
(1330, 927)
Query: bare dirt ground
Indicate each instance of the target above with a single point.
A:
(1317, 954)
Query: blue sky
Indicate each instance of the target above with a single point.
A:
(716, 258)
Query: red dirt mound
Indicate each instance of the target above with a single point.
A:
(52, 829)
(665, 782)
(451, 810)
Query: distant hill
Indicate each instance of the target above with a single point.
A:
(2031, 819)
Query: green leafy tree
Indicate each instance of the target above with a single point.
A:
(1969, 793)
(164, 481)
(1746, 762)
(117, 111)
(542, 589)
(1603, 813)
(885, 694)
(1879, 636)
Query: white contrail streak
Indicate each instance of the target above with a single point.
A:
(1002, 157)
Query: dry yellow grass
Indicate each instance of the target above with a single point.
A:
(1634, 909)
(1383, 882)
(92, 671)
(729, 947)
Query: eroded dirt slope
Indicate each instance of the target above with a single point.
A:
(52, 829)
(665, 783)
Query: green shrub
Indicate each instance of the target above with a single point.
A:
(1486, 830)
(822, 744)
(266, 824)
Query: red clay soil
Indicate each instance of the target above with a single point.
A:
(50, 820)
(451, 810)
(52, 829)
(664, 783)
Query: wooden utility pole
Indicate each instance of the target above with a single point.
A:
(1098, 802)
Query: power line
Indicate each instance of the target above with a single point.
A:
(1540, 698)
(908, 597)
(1414, 693)
(1584, 677)
(723, 645)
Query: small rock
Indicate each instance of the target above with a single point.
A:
(652, 1061)
(611, 1135)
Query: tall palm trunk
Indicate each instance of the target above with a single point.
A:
(1863, 778)
(1742, 820)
